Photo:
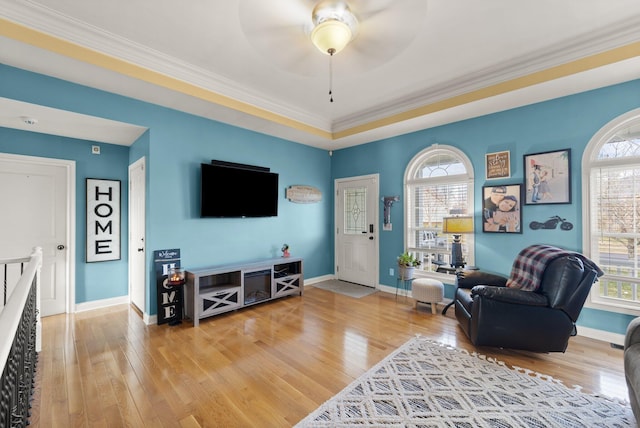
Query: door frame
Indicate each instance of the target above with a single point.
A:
(131, 246)
(375, 221)
(70, 169)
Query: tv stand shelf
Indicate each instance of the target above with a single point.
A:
(218, 289)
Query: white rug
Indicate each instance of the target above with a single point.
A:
(347, 288)
(428, 384)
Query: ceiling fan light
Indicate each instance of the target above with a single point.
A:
(331, 35)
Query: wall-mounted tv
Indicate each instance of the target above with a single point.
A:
(237, 190)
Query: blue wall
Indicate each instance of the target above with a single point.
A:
(94, 281)
(176, 143)
(568, 122)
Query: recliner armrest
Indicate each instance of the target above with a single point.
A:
(471, 278)
(510, 295)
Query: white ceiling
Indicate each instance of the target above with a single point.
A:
(414, 63)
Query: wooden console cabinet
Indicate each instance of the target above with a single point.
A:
(214, 290)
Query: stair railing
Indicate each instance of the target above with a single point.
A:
(21, 331)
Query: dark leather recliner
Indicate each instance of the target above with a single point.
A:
(492, 314)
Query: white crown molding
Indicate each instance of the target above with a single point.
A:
(49, 21)
(100, 304)
(626, 32)
(33, 15)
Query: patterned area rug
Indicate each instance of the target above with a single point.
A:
(428, 384)
(347, 288)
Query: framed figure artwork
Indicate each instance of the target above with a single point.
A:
(502, 208)
(548, 177)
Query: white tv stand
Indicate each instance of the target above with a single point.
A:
(214, 290)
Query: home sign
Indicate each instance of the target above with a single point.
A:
(103, 220)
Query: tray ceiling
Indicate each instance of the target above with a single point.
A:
(414, 63)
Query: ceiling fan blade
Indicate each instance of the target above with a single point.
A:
(366, 9)
(274, 15)
(388, 27)
(279, 30)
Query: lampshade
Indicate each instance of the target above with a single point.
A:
(457, 225)
(331, 36)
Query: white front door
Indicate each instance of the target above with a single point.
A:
(137, 276)
(35, 204)
(356, 230)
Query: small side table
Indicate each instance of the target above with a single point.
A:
(405, 283)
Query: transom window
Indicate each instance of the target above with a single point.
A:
(438, 183)
(611, 168)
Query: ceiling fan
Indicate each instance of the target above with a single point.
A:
(282, 31)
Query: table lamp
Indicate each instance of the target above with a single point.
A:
(457, 226)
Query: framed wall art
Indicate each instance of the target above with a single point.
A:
(548, 177)
(502, 208)
(103, 220)
(498, 165)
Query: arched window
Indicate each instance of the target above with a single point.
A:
(438, 183)
(611, 211)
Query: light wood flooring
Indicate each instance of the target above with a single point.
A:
(264, 366)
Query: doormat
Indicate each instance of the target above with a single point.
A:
(347, 288)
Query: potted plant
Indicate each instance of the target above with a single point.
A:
(406, 265)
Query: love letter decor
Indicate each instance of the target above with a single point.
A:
(103, 220)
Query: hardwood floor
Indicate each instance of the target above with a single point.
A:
(264, 366)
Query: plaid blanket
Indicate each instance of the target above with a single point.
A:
(529, 265)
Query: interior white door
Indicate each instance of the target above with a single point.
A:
(356, 230)
(137, 275)
(34, 214)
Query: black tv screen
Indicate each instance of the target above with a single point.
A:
(238, 191)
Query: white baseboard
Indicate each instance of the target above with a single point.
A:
(605, 336)
(99, 304)
(391, 290)
(105, 303)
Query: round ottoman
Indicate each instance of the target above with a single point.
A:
(427, 290)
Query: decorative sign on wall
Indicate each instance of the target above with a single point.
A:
(169, 298)
(498, 165)
(552, 223)
(388, 203)
(103, 220)
(303, 194)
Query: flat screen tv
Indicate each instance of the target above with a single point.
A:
(236, 190)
